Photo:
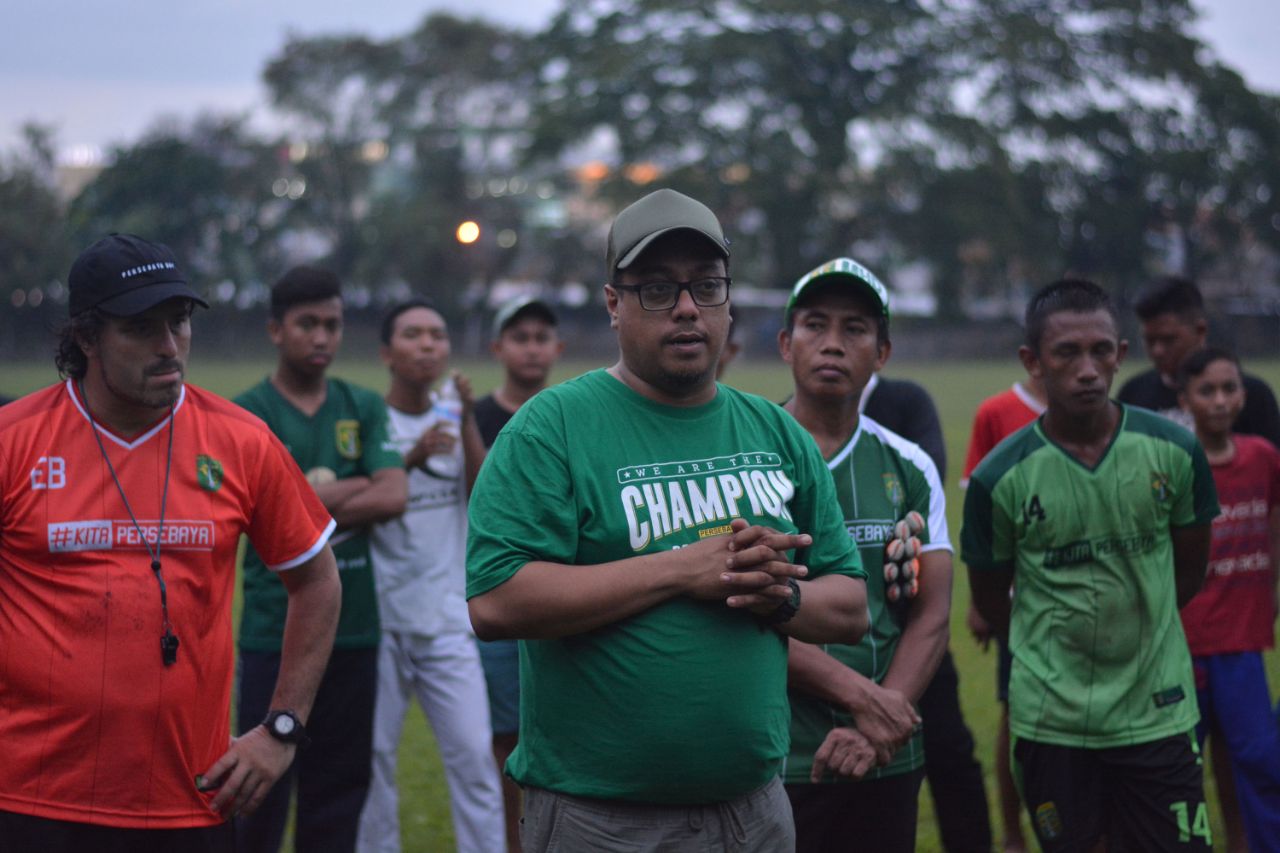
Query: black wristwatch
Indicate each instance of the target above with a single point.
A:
(286, 727)
(787, 609)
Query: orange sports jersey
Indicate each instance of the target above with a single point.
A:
(94, 727)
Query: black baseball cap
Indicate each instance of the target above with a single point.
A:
(124, 275)
(654, 215)
(523, 306)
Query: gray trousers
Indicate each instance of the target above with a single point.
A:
(757, 822)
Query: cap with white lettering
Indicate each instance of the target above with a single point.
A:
(125, 275)
(839, 271)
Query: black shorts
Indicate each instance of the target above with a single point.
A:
(876, 814)
(20, 833)
(1144, 797)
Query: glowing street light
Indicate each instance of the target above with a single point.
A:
(468, 232)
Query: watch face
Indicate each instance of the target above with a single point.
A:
(284, 725)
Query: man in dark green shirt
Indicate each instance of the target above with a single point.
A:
(337, 433)
(653, 538)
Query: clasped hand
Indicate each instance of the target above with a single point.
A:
(748, 567)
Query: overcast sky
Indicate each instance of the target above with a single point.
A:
(103, 73)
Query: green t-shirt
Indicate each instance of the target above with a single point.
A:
(348, 435)
(685, 702)
(879, 477)
(1099, 657)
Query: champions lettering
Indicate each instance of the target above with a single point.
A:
(657, 509)
(105, 535)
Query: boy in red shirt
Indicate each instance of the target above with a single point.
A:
(997, 418)
(1231, 620)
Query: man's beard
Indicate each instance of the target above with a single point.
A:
(685, 379)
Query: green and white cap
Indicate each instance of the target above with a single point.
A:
(840, 269)
(660, 211)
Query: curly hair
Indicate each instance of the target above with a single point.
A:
(84, 327)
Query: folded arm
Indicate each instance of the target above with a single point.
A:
(359, 501)
(544, 600)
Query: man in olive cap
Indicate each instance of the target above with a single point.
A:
(654, 538)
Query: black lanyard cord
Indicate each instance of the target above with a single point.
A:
(168, 640)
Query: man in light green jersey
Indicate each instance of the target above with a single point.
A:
(654, 538)
(856, 760)
(1101, 513)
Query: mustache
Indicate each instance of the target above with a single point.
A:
(165, 367)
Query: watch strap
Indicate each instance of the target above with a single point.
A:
(785, 611)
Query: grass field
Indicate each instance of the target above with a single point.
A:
(957, 387)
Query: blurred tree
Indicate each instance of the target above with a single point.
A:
(768, 110)
(34, 250)
(1121, 115)
(205, 191)
(392, 132)
(1002, 140)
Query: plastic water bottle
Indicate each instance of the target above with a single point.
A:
(447, 411)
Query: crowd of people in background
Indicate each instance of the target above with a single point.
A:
(641, 610)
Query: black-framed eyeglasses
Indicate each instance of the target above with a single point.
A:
(663, 295)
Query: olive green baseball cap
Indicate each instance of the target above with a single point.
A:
(646, 220)
(847, 270)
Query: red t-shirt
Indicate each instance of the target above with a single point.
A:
(997, 418)
(93, 727)
(1235, 609)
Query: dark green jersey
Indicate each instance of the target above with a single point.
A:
(1099, 657)
(684, 702)
(347, 436)
(879, 477)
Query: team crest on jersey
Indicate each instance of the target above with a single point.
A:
(1048, 821)
(208, 473)
(348, 438)
(893, 489)
(1160, 486)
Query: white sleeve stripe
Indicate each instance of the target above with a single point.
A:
(309, 553)
(941, 546)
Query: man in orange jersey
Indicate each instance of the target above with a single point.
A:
(123, 495)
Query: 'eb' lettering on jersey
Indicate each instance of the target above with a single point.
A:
(50, 473)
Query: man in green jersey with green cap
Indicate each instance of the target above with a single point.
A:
(1101, 513)
(857, 758)
(654, 538)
